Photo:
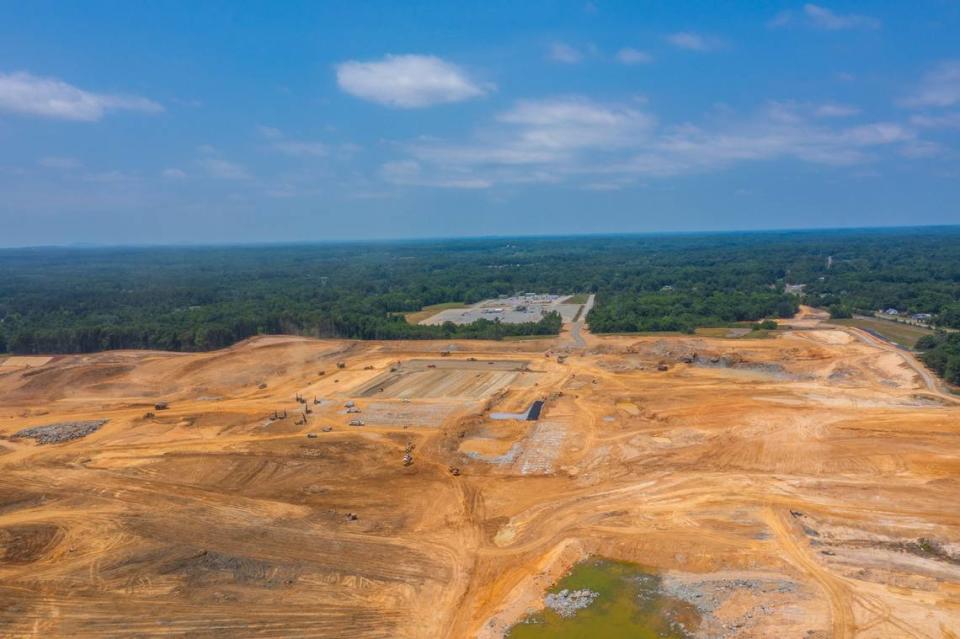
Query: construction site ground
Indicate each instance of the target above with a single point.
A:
(805, 485)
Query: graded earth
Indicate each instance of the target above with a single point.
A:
(804, 485)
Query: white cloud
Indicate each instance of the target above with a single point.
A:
(824, 18)
(408, 81)
(410, 173)
(634, 56)
(768, 135)
(27, 94)
(942, 121)
(270, 133)
(173, 174)
(300, 148)
(284, 191)
(819, 17)
(223, 169)
(692, 41)
(939, 87)
(561, 52)
(570, 123)
(51, 162)
(114, 176)
(574, 139)
(782, 19)
(832, 110)
(536, 135)
(919, 149)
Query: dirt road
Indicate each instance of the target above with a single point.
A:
(930, 380)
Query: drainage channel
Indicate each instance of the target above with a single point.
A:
(532, 414)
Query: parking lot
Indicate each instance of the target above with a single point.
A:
(509, 310)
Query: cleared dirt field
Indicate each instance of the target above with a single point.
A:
(802, 486)
(455, 379)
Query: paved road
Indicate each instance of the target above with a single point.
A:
(575, 327)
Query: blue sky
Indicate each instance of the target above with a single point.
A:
(200, 122)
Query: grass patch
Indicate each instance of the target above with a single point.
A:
(744, 331)
(645, 334)
(428, 311)
(579, 298)
(903, 334)
(719, 332)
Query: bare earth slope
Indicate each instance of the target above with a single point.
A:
(804, 486)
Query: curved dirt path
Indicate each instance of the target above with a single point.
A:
(933, 384)
(841, 602)
(809, 317)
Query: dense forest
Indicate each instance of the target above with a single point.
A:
(941, 352)
(67, 300)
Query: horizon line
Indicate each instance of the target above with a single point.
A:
(448, 238)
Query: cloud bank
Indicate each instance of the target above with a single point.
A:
(578, 140)
(27, 94)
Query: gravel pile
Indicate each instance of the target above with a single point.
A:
(566, 603)
(736, 362)
(62, 432)
(709, 594)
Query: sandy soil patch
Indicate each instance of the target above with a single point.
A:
(23, 361)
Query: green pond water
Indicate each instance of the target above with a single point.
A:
(630, 605)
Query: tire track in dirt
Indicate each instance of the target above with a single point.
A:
(838, 593)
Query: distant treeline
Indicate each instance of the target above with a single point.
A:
(912, 271)
(55, 300)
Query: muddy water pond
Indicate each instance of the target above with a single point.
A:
(605, 599)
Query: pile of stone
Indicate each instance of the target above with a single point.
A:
(708, 595)
(566, 603)
(62, 432)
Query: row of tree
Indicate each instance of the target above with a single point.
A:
(672, 311)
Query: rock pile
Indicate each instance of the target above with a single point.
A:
(566, 603)
(62, 432)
